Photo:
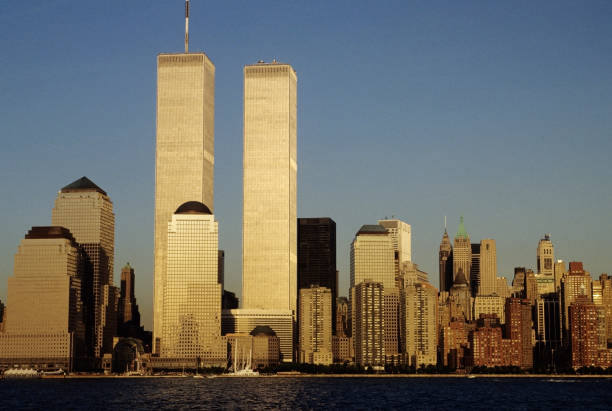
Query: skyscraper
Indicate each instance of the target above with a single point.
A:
(316, 252)
(488, 267)
(368, 334)
(474, 277)
(185, 149)
(45, 328)
(546, 274)
(343, 324)
(518, 331)
(462, 252)
(399, 232)
(87, 212)
(315, 325)
(421, 303)
(546, 256)
(445, 260)
(576, 283)
(192, 292)
(269, 221)
(129, 316)
(583, 324)
(372, 257)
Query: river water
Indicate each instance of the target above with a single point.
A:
(307, 393)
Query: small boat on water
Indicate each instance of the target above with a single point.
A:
(242, 364)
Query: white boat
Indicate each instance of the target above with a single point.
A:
(56, 372)
(242, 366)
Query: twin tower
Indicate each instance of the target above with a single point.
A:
(184, 172)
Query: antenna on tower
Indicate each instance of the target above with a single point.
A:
(186, 26)
(444, 223)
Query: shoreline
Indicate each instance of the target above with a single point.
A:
(465, 376)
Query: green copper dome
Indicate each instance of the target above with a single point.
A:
(461, 233)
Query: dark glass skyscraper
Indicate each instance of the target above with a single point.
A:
(317, 256)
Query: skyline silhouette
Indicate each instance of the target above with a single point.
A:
(497, 112)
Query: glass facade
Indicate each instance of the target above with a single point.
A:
(192, 294)
(269, 230)
(185, 147)
(87, 212)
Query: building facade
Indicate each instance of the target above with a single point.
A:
(462, 252)
(244, 321)
(583, 323)
(192, 294)
(368, 328)
(87, 212)
(128, 313)
(269, 220)
(575, 283)
(488, 267)
(420, 324)
(46, 329)
(445, 262)
(315, 327)
(546, 270)
(518, 332)
(372, 257)
(400, 233)
(316, 255)
(490, 304)
(184, 150)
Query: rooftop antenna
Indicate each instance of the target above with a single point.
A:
(444, 223)
(186, 26)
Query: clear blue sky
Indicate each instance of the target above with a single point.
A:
(500, 111)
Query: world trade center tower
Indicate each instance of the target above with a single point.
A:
(185, 147)
(269, 220)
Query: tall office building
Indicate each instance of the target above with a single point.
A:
(576, 283)
(343, 323)
(269, 220)
(368, 328)
(462, 252)
(488, 267)
(560, 271)
(545, 276)
(316, 253)
(548, 331)
(460, 298)
(316, 325)
(393, 338)
(583, 324)
(518, 331)
(46, 328)
(400, 234)
(128, 318)
(605, 283)
(445, 261)
(192, 292)
(546, 256)
(475, 269)
(185, 149)
(372, 257)
(87, 212)
(421, 304)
